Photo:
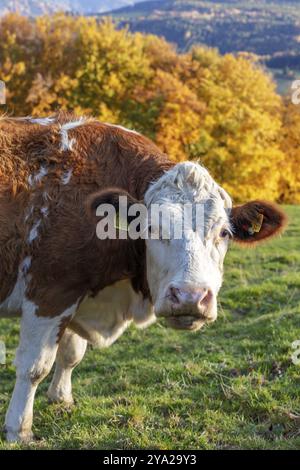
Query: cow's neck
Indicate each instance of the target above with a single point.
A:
(149, 174)
(128, 258)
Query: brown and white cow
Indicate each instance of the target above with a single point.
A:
(69, 287)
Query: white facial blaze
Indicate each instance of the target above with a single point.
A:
(196, 259)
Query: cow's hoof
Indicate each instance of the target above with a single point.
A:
(64, 404)
(21, 437)
(66, 400)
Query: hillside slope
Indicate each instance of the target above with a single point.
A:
(268, 28)
(40, 7)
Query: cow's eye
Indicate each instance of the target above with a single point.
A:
(225, 233)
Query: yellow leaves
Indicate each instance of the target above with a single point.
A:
(180, 116)
(113, 86)
(243, 121)
(19, 68)
(221, 109)
(107, 115)
(290, 144)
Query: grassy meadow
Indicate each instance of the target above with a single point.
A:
(232, 385)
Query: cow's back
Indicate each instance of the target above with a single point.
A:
(65, 149)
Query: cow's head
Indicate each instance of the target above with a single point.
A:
(185, 273)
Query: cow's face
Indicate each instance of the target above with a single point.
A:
(184, 267)
(185, 274)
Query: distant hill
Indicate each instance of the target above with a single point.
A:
(269, 28)
(40, 7)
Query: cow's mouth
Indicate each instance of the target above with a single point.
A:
(186, 322)
(191, 318)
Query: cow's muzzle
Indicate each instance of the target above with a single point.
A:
(189, 308)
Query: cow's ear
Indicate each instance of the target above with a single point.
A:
(115, 197)
(257, 221)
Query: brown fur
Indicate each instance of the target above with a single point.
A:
(68, 261)
(62, 327)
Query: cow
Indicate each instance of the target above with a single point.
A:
(71, 288)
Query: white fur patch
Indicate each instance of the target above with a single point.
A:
(46, 196)
(122, 128)
(66, 177)
(37, 178)
(105, 317)
(12, 304)
(34, 359)
(40, 175)
(70, 352)
(66, 143)
(34, 231)
(45, 211)
(29, 213)
(25, 265)
(42, 121)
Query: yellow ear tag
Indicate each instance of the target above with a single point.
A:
(120, 224)
(256, 225)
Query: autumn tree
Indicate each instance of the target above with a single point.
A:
(289, 187)
(18, 47)
(238, 139)
(220, 110)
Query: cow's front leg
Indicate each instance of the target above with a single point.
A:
(34, 359)
(70, 352)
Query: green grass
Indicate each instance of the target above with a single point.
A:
(230, 386)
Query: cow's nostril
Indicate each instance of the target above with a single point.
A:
(174, 294)
(201, 297)
(206, 298)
